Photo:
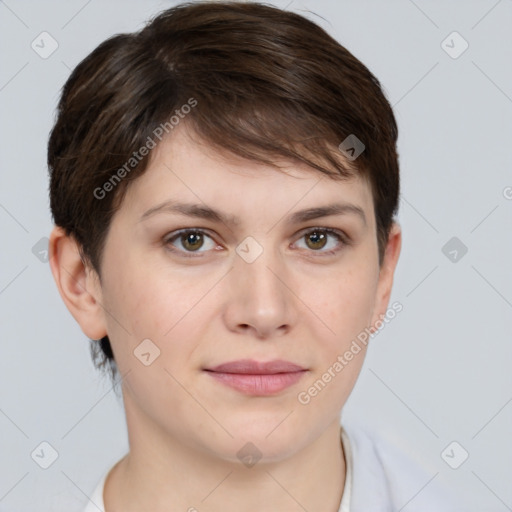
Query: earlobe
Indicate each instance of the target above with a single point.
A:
(387, 271)
(78, 285)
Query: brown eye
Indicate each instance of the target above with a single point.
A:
(192, 240)
(316, 240)
(324, 241)
(188, 242)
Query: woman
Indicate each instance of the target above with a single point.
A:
(223, 185)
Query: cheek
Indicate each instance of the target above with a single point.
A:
(146, 305)
(345, 304)
(147, 302)
(142, 296)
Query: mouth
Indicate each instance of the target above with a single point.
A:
(257, 378)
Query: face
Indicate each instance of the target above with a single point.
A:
(251, 272)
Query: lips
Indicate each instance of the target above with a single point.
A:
(257, 378)
(250, 367)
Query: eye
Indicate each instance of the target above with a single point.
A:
(318, 239)
(191, 240)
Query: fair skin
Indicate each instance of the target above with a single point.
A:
(294, 302)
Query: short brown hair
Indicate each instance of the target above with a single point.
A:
(263, 82)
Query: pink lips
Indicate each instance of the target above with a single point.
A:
(254, 378)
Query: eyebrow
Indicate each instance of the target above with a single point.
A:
(201, 211)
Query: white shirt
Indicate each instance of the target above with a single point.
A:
(379, 477)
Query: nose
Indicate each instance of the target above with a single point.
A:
(260, 300)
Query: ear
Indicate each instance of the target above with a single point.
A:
(78, 284)
(387, 271)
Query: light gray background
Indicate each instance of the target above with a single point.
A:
(440, 372)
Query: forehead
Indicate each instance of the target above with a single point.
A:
(185, 169)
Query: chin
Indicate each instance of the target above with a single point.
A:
(271, 440)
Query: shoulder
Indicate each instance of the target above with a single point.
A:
(388, 474)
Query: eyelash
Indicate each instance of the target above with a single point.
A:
(340, 236)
